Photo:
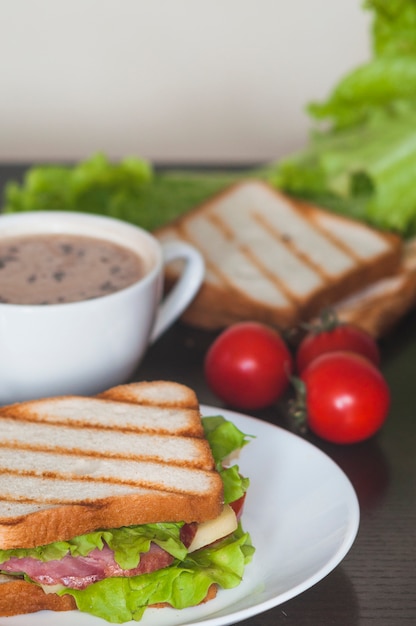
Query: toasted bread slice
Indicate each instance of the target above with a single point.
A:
(69, 465)
(18, 597)
(379, 307)
(273, 259)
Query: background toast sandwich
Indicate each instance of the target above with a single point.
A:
(378, 307)
(275, 259)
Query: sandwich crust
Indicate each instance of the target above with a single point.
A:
(60, 523)
(154, 393)
(32, 598)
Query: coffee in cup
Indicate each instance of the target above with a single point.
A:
(81, 298)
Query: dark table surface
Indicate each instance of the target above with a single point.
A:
(376, 581)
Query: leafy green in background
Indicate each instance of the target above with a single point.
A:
(129, 190)
(360, 159)
(94, 185)
(361, 156)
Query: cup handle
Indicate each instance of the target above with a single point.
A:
(186, 287)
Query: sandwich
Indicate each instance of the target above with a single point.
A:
(275, 259)
(113, 503)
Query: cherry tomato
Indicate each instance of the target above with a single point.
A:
(338, 337)
(347, 397)
(248, 366)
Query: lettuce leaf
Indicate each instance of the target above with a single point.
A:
(393, 27)
(361, 155)
(94, 185)
(366, 173)
(386, 83)
(183, 584)
(225, 438)
(129, 190)
(126, 542)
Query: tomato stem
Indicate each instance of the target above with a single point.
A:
(297, 406)
(327, 321)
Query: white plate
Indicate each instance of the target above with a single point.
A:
(301, 512)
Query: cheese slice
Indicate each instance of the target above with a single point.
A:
(53, 588)
(215, 529)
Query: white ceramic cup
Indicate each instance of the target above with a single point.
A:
(88, 346)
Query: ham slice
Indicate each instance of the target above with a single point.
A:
(77, 572)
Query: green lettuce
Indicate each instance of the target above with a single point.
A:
(187, 580)
(126, 542)
(129, 190)
(366, 173)
(183, 584)
(361, 156)
(225, 438)
(94, 185)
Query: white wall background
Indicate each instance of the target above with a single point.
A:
(170, 80)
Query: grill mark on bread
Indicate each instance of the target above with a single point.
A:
(280, 284)
(235, 274)
(311, 213)
(221, 283)
(327, 281)
(249, 255)
(53, 489)
(46, 502)
(93, 454)
(80, 425)
(146, 418)
(319, 277)
(27, 500)
(337, 241)
(104, 479)
(61, 476)
(331, 257)
(258, 229)
(54, 492)
(69, 479)
(24, 500)
(290, 243)
(19, 434)
(222, 226)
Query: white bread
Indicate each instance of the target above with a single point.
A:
(276, 260)
(71, 465)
